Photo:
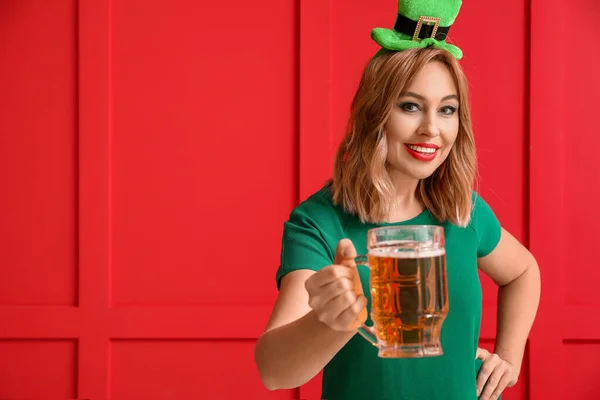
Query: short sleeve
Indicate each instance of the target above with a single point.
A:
(304, 245)
(487, 226)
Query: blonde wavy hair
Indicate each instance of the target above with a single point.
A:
(361, 183)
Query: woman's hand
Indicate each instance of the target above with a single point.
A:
(494, 376)
(334, 293)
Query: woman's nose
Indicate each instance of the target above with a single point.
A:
(429, 127)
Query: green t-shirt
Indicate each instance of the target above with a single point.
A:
(356, 372)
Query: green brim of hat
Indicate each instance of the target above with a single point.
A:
(391, 40)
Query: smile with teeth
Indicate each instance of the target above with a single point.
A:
(424, 150)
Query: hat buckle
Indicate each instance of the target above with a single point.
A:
(424, 20)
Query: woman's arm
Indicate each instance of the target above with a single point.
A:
(295, 345)
(514, 269)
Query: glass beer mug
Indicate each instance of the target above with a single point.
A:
(409, 290)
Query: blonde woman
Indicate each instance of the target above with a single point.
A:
(408, 159)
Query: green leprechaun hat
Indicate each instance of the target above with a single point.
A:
(420, 23)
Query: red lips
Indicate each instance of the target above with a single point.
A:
(422, 156)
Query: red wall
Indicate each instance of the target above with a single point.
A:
(151, 150)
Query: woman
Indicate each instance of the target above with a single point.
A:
(408, 159)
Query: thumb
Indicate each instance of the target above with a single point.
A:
(345, 253)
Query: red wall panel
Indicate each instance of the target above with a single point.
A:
(563, 190)
(38, 369)
(203, 150)
(580, 382)
(38, 153)
(581, 83)
(196, 370)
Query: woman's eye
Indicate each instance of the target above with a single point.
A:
(449, 110)
(409, 107)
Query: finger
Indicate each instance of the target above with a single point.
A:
(492, 384)
(484, 373)
(327, 275)
(348, 318)
(337, 287)
(334, 308)
(504, 381)
(329, 292)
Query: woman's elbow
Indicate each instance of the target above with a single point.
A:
(266, 377)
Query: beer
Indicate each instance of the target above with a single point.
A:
(409, 299)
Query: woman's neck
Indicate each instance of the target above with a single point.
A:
(408, 204)
(405, 209)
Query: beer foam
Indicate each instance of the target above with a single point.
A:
(412, 253)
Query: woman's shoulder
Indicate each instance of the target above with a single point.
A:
(480, 209)
(485, 223)
(317, 204)
(319, 210)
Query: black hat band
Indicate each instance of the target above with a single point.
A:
(425, 27)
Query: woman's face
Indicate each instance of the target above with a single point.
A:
(423, 125)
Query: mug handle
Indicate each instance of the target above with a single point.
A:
(364, 330)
